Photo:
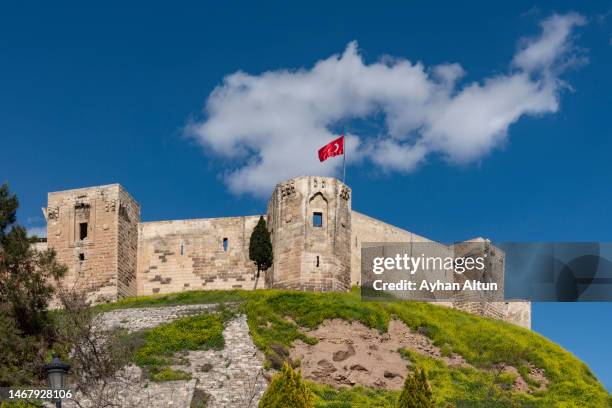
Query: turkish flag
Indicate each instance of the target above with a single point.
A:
(332, 149)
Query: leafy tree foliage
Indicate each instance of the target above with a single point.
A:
(25, 274)
(416, 392)
(8, 209)
(287, 389)
(25, 290)
(21, 356)
(260, 248)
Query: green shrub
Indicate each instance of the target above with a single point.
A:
(416, 392)
(18, 356)
(287, 390)
(200, 332)
(168, 374)
(158, 347)
(200, 398)
(20, 404)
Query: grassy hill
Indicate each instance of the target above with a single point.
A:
(277, 318)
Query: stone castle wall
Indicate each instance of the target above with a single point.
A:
(195, 254)
(478, 303)
(128, 217)
(316, 239)
(368, 229)
(518, 312)
(85, 227)
(310, 223)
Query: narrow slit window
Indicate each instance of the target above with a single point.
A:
(182, 249)
(82, 230)
(225, 244)
(317, 261)
(317, 219)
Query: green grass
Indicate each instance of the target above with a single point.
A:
(20, 404)
(182, 298)
(168, 374)
(273, 333)
(161, 344)
(465, 387)
(482, 342)
(355, 397)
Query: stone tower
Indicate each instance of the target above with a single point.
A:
(310, 224)
(95, 233)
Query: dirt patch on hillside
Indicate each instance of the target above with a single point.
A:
(536, 376)
(519, 385)
(351, 353)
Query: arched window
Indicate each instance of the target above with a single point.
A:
(318, 208)
(317, 219)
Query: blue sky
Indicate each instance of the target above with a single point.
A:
(93, 94)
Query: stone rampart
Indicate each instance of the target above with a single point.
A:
(316, 238)
(210, 253)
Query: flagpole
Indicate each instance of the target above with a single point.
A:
(344, 158)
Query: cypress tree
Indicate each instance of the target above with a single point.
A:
(416, 392)
(287, 389)
(260, 248)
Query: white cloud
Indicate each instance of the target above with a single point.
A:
(552, 46)
(40, 232)
(271, 125)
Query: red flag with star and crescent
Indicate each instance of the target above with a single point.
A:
(332, 149)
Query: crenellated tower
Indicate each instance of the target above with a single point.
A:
(95, 233)
(310, 224)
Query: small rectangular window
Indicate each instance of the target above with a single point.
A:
(82, 230)
(81, 257)
(317, 219)
(225, 244)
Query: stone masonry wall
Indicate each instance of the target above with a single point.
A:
(310, 224)
(127, 231)
(174, 256)
(368, 229)
(91, 214)
(286, 226)
(119, 256)
(477, 302)
(519, 313)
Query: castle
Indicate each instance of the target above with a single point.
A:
(316, 238)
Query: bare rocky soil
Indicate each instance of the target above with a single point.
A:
(351, 353)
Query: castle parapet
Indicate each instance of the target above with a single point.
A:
(310, 223)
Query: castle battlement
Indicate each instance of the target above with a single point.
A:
(316, 238)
